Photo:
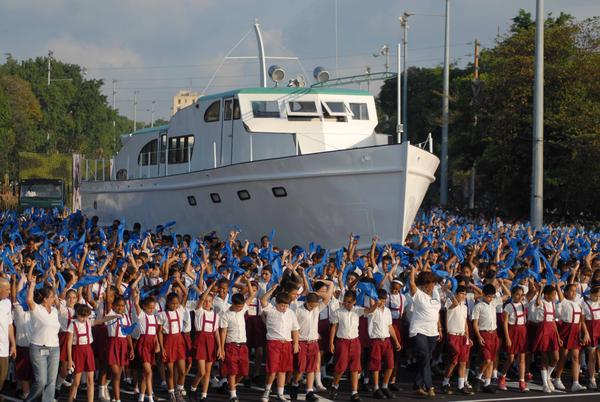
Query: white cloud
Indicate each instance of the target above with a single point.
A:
(71, 50)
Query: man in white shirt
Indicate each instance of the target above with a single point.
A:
(7, 331)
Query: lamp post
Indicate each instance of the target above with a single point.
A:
(537, 173)
(135, 93)
(445, 110)
(404, 23)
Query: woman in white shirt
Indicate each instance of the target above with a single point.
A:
(44, 346)
(425, 327)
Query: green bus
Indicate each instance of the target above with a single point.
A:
(42, 193)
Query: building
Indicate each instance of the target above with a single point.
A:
(183, 99)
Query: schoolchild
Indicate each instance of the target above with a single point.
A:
(591, 311)
(147, 345)
(120, 346)
(515, 337)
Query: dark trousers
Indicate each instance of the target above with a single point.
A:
(423, 350)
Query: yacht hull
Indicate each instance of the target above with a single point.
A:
(367, 191)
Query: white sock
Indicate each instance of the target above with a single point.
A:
(384, 386)
(575, 382)
(486, 382)
(461, 383)
(544, 374)
(179, 387)
(193, 389)
(550, 370)
(354, 392)
(233, 394)
(203, 395)
(479, 376)
(279, 391)
(446, 381)
(318, 379)
(495, 374)
(268, 387)
(150, 398)
(171, 391)
(309, 390)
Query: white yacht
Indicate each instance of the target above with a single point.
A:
(304, 161)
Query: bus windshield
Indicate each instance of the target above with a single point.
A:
(41, 190)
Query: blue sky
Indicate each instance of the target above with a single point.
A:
(160, 46)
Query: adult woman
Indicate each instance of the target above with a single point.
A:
(44, 346)
(425, 327)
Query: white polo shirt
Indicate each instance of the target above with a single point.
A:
(485, 313)
(347, 321)
(309, 322)
(425, 314)
(379, 322)
(5, 321)
(569, 311)
(280, 325)
(236, 325)
(591, 307)
(21, 322)
(537, 312)
(456, 318)
(206, 321)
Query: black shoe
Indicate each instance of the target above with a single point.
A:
(489, 389)
(477, 384)
(234, 399)
(333, 393)
(394, 387)
(294, 392)
(388, 393)
(466, 391)
(446, 389)
(311, 397)
(378, 394)
(366, 387)
(355, 398)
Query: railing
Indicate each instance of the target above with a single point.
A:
(427, 143)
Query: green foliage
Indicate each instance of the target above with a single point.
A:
(494, 130)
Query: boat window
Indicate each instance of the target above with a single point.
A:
(227, 110)
(336, 107)
(302, 108)
(243, 195)
(149, 153)
(163, 146)
(192, 200)
(279, 192)
(262, 109)
(236, 110)
(181, 149)
(215, 197)
(212, 112)
(122, 174)
(359, 111)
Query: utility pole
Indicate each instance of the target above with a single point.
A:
(445, 107)
(476, 59)
(50, 54)
(135, 93)
(537, 172)
(152, 114)
(475, 102)
(399, 98)
(404, 22)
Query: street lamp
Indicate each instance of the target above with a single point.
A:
(445, 110)
(537, 173)
(404, 23)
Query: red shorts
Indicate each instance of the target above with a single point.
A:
(205, 347)
(458, 348)
(23, 369)
(146, 349)
(307, 358)
(569, 333)
(279, 356)
(100, 344)
(117, 352)
(256, 331)
(62, 341)
(381, 352)
(518, 339)
(347, 355)
(363, 332)
(174, 345)
(492, 345)
(83, 358)
(236, 360)
(324, 334)
(546, 338)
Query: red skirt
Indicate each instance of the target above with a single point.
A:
(569, 334)
(363, 332)
(205, 347)
(499, 325)
(531, 335)
(307, 358)
(83, 358)
(324, 334)
(146, 349)
(62, 341)
(189, 350)
(174, 345)
(347, 355)
(100, 344)
(279, 357)
(236, 360)
(397, 324)
(256, 331)
(117, 352)
(594, 331)
(518, 339)
(546, 338)
(23, 369)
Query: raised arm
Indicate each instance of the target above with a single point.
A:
(264, 300)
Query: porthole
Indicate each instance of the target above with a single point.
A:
(215, 197)
(279, 192)
(243, 195)
(191, 200)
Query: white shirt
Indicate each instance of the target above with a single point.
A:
(21, 322)
(515, 313)
(5, 321)
(569, 311)
(80, 330)
(220, 305)
(114, 327)
(236, 325)
(485, 313)
(396, 303)
(44, 326)
(147, 323)
(379, 322)
(280, 325)
(206, 321)
(254, 307)
(326, 312)
(591, 307)
(456, 318)
(347, 321)
(425, 314)
(65, 315)
(537, 312)
(309, 322)
(187, 321)
(171, 321)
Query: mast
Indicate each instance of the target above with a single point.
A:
(261, 56)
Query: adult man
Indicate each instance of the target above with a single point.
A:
(7, 331)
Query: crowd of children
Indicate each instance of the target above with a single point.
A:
(484, 298)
